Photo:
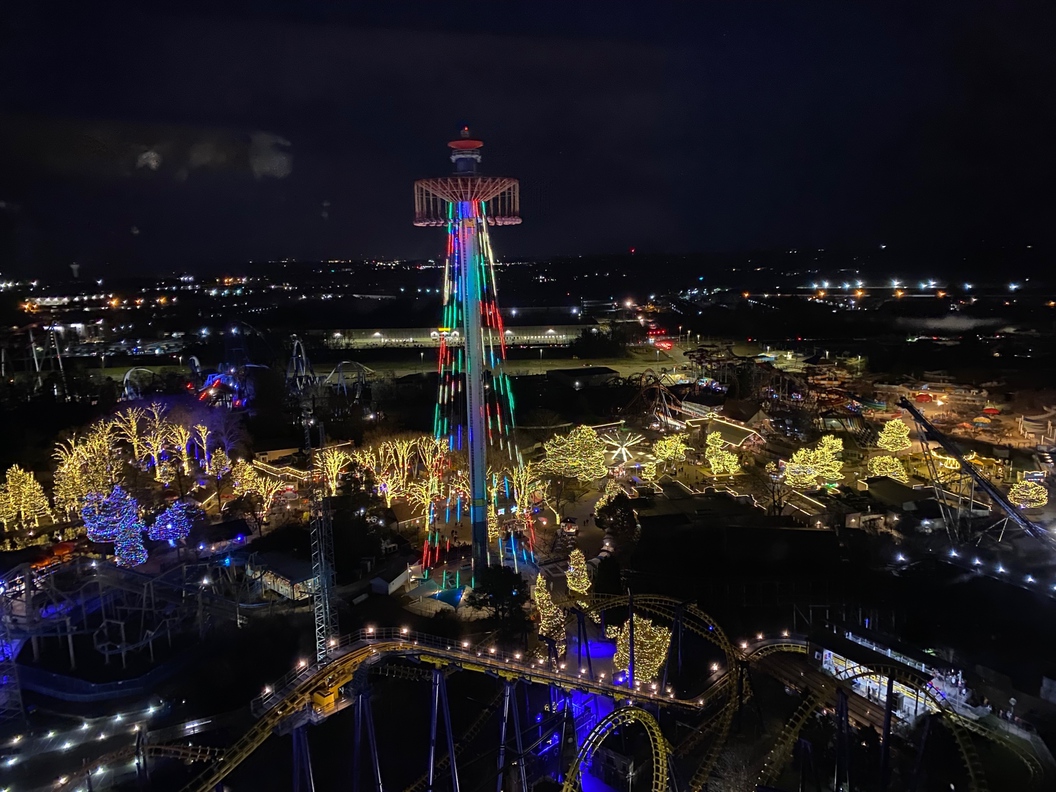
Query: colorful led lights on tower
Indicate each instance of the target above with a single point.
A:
(474, 409)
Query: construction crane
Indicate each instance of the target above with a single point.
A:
(929, 432)
(322, 551)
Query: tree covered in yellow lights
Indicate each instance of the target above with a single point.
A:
(670, 449)
(719, 459)
(888, 466)
(329, 464)
(651, 642)
(577, 579)
(22, 500)
(86, 465)
(1028, 495)
(809, 467)
(612, 489)
(580, 454)
(894, 437)
(551, 617)
(389, 463)
(129, 425)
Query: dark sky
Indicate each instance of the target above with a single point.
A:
(138, 138)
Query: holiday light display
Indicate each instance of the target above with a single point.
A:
(329, 464)
(244, 478)
(580, 455)
(268, 487)
(612, 489)
(165, 472)
(172, 524)
(129, 425)
(651, 642)
(107, 516)
(474, 408)
(219, 464)
(551, 617)
(894, 437)
(811, 466)
(156, 434)
(670, 448)
(888, 466)
(648, 471)
(493, 524)
(85, 465)
(576, 578)
(201, 437)
(114, 517)
(180, 437)
(22, 500)
(389, 463)
(621, 445)
(527, 487)
(1028, 495)
(719, 459)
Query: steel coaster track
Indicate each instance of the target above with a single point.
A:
(661, 751)
(959, 726)
(295, 694)
(470, 734)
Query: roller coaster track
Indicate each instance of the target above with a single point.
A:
(959, 726)
(467, 737)
(661, 751)
(312, 688)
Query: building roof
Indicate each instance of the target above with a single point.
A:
(731, 433)
(895, 493)
(863, 655)
(294, 570)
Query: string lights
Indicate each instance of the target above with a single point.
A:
(894, 437)
(888, 466)
(580, 455)
(651, 642)
(172, 524)
(577, 578)
(551, 617)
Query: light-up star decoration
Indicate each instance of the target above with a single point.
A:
(621, 445)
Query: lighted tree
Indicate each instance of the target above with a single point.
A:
(85, 465)
(22, 500)
(1028, 495)
(172, 524)
(551, 617)
(888, 466)
(651, 642)
(201, 439)
(493, 523)
(156, 434)
(612, 489)
(329, 464)
(218, 467)
(670, 449)
(244, 478)
(114, 517)
(269, 487)
(180, 437)
(577, 579)
(719, 459)
(130, 424)
(810, 466)
(579, 455)
(648, 471)
(894, 437)
(390, 465)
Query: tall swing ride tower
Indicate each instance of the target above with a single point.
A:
(474, 404)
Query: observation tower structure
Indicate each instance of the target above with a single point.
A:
(474, 404)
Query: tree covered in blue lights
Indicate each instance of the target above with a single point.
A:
(114, 517)
(172, 524)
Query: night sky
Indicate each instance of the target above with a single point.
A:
(135, 138)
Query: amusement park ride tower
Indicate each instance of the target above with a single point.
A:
(472, 348)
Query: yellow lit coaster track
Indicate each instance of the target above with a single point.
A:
(311, 693)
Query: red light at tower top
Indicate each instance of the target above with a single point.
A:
(500, 195)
